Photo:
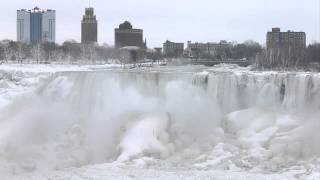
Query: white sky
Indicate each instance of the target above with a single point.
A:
(176, 20)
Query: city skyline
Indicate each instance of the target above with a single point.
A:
(213, 21)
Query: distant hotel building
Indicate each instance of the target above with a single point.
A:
(289, 46)
(209, 49)
(89, 27)
(172, 49)
(125, 36)
(36, 25)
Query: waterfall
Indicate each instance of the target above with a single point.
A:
(81, 118)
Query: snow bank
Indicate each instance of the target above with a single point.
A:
(147, 136)
(52, 68)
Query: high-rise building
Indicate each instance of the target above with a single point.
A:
(89, 27)
(125, 35)
(49, 26)
(23, 26)
(286, 46)
(172, 49)
(36, 25)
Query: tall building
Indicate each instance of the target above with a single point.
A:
(286, 46)
(125, 35)
(89, 27)
(49, 26)
(23, 26)
(172, 49)
(36, 25)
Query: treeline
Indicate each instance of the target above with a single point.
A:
(68, 52)
(284, 57)
(313, 53)
(247, 50)
(73, 52)
(290, 57)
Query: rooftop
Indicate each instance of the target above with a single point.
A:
(36, 10)
(125, 25)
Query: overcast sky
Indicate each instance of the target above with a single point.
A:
(176, 20)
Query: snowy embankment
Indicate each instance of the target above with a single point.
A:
(225, 122)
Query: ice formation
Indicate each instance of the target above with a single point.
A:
(198, 118)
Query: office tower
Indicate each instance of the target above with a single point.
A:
(23, 26)
(49, 26)
(36, 25)
(89, 27)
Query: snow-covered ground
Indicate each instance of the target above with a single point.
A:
(188, 122)
(114, 172)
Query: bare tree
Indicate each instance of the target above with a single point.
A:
(36, 52)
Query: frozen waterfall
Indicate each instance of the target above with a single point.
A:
(205, 119)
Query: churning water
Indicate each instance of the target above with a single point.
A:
(195, 118)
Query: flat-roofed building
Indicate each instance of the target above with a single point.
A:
(210, 49)
(126, 35)
(288, 47)
(173, 49)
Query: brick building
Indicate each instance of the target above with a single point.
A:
(286, 48)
